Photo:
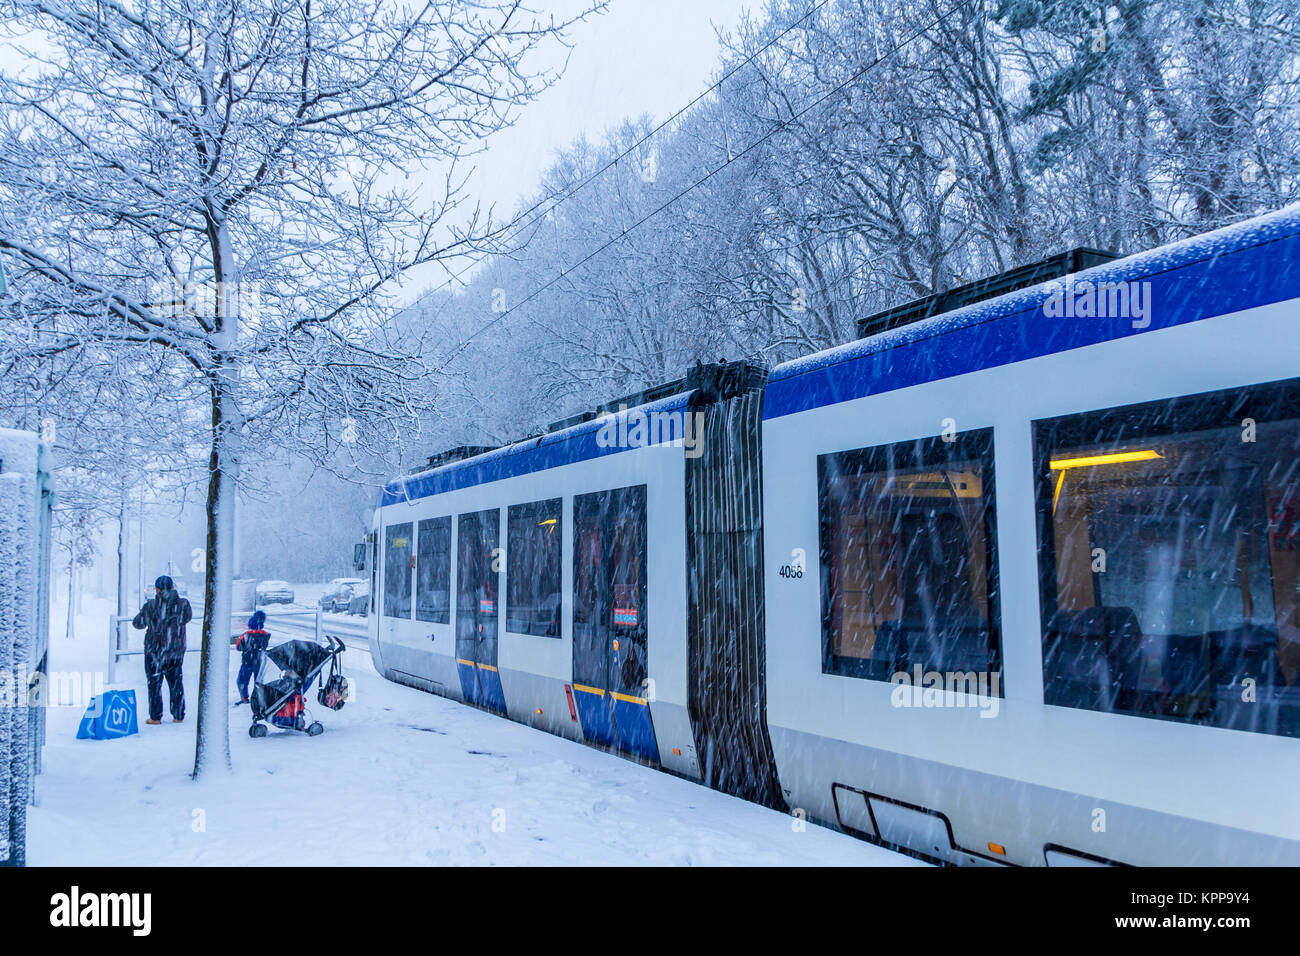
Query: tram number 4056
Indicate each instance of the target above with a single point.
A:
(794, 570)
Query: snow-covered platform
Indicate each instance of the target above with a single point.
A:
(398, 777)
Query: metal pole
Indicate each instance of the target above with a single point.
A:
(123, 531)
(112, 648)
(319, 639)
(140, 549)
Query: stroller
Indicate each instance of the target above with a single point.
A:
(286, 672)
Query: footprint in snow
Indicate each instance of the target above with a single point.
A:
(427, 730)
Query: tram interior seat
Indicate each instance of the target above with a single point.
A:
(945, 644)
(1184, 685)
(1091, 656)
(1095, 659)
(1246, 651)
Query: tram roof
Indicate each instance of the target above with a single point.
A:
(539, 453)
(1248, 264)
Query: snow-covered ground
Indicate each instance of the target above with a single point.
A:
(398, 777)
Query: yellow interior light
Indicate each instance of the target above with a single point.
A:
(547, 521)
(1116, 458)
(1088, 461)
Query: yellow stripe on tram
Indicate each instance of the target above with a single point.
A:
(627, 698)
(589, 690)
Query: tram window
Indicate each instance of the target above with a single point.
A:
(609, 589)
(908, 571)
(478, 573)
(1169, 559)
(533, 544)
(397, 570)
(588, 558)
(372, 539)
(433, 572)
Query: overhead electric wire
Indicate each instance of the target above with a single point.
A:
(705, 178)
(558, 199)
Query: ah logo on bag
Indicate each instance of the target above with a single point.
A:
(117, 719)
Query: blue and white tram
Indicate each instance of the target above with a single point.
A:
(518, 580)
(1014, 584)
(1124, 593)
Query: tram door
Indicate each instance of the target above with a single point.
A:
(609, 620)
(396, 599)
(477, 605)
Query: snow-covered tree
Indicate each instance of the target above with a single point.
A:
(226, 183)
(862, 153)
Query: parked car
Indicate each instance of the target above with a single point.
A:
(274, 592)
(339, 594)
(331, 598)
(360, 603)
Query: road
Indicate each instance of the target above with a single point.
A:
(288, 621)
(301, 622)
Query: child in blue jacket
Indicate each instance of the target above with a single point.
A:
(251, 644)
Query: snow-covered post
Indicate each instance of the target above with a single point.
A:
(20, 567)
(10, 495)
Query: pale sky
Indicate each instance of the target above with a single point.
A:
(641, 56)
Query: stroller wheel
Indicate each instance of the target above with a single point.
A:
(315, 729)
(257, 730)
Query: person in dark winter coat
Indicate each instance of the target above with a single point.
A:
(251, 644)
(163, 619)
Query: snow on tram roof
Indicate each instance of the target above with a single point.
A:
(539, 453)
(1237, 265)
(1237, 262)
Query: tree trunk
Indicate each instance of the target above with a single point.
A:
(212, 745)
(212, 742)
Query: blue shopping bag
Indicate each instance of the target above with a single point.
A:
(110, 714)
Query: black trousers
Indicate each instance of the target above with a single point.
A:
(156, 671)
